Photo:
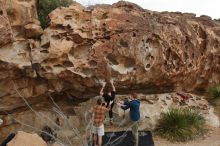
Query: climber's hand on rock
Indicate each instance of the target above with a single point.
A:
(103, 84)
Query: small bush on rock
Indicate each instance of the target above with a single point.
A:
(214, 91)
(181, 125)
(44, 7)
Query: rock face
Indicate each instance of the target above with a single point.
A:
(143, 51)
(140, 49)
(20, 13)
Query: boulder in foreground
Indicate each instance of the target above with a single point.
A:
(27, 139)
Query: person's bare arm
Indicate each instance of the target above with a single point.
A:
(120, 103)
(113, 86)
(91, 110)
(109, 106)
(101, 91)
(93, 114)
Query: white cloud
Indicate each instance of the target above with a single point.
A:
(199, 7)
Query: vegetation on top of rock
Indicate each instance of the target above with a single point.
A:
(181, 125)
(44, 7)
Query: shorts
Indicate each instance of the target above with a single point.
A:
(98, 130)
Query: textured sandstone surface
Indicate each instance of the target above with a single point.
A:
(26, 139)
(142, 50)
(139, 49)
(5, 27)
(20, 13)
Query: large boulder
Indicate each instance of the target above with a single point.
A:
(27, 139)
(140, 49)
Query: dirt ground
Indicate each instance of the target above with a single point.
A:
(212, 139)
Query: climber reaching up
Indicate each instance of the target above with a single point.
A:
(108, 97)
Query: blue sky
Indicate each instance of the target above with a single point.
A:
(199, 7)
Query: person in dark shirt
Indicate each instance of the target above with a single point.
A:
(134, 105)
(108, 97)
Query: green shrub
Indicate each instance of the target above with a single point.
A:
(44, 7)
(214, 91)
(181, 125)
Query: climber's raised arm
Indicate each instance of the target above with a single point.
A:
(113, 86)
(101, 91)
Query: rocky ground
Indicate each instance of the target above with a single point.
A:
(211, 140)
(78, 116)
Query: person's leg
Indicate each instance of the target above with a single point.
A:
(8, 139)
(99, 140)
(111, 113)
(101, 132)
(107, 104)
(95, 136)
(135, 133)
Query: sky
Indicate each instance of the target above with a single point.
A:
(199, 7)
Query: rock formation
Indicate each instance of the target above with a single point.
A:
(20, 13)
(141, 50)
(5, 27)
(26, 139)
